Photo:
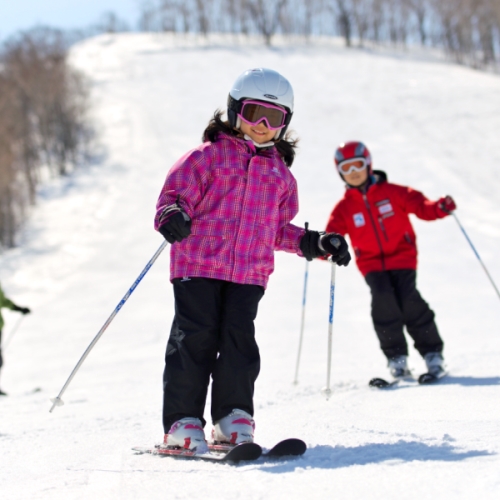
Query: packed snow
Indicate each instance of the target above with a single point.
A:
(429, 124)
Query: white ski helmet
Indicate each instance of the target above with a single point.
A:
(261, 84)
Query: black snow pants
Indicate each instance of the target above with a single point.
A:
(397, 303)
(213, 334)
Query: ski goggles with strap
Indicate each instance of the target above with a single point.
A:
(253, 112)
(351, 165)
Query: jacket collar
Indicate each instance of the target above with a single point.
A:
(377, 177)
(249, 146)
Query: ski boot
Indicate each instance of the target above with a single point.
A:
(237, 427)
(435, 364)
(187, 434)
(398, 367)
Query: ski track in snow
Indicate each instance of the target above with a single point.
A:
(429, 124)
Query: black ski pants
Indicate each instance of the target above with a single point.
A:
(213, 334)
(397, 303)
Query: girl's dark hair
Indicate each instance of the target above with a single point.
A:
(286, 146)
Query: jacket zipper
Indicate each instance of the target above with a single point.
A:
(381, 222)
(241, 213)
(375, 230)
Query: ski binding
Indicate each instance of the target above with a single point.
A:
(240, 452)
(222, 452)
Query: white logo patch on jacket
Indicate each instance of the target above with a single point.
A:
(385, 208)
(359, 219)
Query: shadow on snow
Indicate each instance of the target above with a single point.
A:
(336, 457)
(448, 380)
(470, 381)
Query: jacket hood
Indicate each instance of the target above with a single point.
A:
(380, 176)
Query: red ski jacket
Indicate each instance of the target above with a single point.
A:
(379, 226)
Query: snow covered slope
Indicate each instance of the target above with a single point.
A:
(430, 125)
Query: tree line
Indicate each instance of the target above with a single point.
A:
(44, 126)
(467, 30)
(44, 129)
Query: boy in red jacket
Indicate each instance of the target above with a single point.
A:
(375, 215)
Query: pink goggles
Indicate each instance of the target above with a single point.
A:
(253, 112)
(352, 165)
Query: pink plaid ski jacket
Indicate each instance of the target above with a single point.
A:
(241, 204)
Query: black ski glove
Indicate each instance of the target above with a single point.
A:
(175, 223)
(315, 244)
(22, 310)
(337, 247)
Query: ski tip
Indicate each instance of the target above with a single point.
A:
(299, 446)
(242, 452)
(427, 378)
(430, 378)
(380, 383)
(287, 447)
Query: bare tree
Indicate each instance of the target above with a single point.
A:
(420, 9)
(148, 17)
(344, 20)
(203, 15)
(468, 30)
(43, 122)
(111, 23)
(487, 30)
(266, 16)
(9, 211)
(237, 14)
(361, 13)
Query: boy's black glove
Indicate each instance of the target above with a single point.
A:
(175, 223)
(315, 244)
(22, 310)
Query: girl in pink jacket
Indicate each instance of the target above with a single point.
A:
(226, 206)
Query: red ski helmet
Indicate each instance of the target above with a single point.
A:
(352, 150)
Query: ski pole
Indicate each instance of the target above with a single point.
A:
(8, 340)
(476, 254)
(57, 401)
(327, 390)
(296, 380)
